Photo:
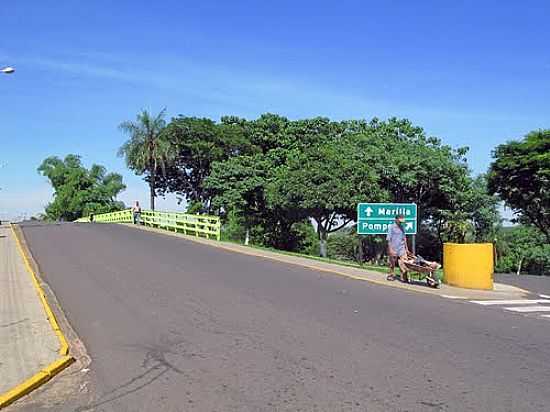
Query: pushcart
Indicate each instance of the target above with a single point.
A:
(424, 272)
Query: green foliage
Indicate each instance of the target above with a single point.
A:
(272, 174)
(196, 143)
(239, 186)
(538, 260)
(307, 242)
(342, 246)
(194, 208)
(324, 181)
(318, 169)
(520, 175)
(482, 208)
(522, 248)
(233, 228)
(148, 152)
(79, 191)
(415, 168)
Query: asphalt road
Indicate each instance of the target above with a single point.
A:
(172, 325)
(537, 285)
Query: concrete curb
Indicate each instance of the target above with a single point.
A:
(35, 381)
(54, 368)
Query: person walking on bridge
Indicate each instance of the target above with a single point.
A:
(397, 248)
(136, 213)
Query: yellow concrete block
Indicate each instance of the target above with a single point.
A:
(468, 265)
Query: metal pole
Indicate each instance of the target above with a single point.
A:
(414, 236)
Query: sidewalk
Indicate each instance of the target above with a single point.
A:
(500, 291)
(27, 342)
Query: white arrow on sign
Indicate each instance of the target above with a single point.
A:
(409, 225)
(369, 211)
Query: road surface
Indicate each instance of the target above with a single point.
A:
(171, 325)
(537, 285)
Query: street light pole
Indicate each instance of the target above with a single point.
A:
(7, 70)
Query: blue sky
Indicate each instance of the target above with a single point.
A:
(475, 73)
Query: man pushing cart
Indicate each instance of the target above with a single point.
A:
(399, 255)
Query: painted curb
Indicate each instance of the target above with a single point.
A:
(35, 381)
(55, 367)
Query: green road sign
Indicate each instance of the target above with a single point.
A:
(375, 218)
(380, 226)
(386, 210)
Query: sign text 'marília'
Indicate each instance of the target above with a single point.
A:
(382, 211)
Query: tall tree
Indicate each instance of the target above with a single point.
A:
(148, 151)
(240, 185)
(265, 187)
(520, 175)
(325, 182)
(79, 191)
(197, 143)
(420, 169)
(318, 169)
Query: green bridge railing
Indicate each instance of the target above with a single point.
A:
(196, 225)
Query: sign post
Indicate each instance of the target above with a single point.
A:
(375, 218)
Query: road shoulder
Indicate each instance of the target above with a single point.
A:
(501, 291)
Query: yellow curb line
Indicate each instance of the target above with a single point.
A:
(55, 367)
(35, 381)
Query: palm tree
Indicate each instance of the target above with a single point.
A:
(147, 150)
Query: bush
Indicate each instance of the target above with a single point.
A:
(506, 264)
(308, 241)
(342, 246)
(233, 229)
(522, 244)
(537, 262)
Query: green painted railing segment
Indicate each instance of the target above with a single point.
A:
(197, 225)
(123, 216)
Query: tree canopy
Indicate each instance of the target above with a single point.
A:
(319, 169)
(278, 181)
(520, 175)
(196, 143)
(79, 191)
